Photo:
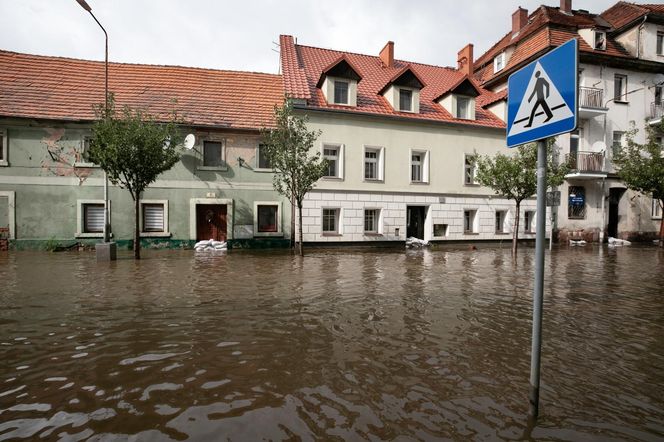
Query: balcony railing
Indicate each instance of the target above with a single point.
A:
(656, 111)
(591, 97)
(586, 161)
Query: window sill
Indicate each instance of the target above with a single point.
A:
(420, 183)
(471, 233)
(263, 170)
(155, 234)
(268, 235)
(503, 233)
(86, 165)
(373, 234)
(373, 180)
(4, 163)
(331, 234)
(89, 235)
(213, 168)
(576, 217)
(620, 102)
(332, 178)
(340, 104)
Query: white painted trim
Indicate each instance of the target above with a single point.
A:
(380, 164)
(424, 166)
(166, 233)
(79, 218)
(280, 214)
(379, 221)
(340, 230)
(340, 159)
(193, 202)
(4, 162)
(11, 211)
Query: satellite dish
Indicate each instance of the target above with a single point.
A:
(658, 79)
(599, 146)
(189, 141)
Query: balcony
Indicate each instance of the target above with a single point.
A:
(591, 102)
(586, 165)
(656, 113)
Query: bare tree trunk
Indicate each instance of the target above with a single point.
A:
(137, 233)
(299, 210)
(661, 225)
(515, 234)
(292, 222)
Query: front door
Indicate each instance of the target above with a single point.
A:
(211, 222)
(415, 222)
(614, 201)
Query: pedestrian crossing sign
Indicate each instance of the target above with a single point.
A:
(542, 97)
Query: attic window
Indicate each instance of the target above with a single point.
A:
(405, 100)
(600, 41)
(499, 62)
(340, 92)
(463, 110)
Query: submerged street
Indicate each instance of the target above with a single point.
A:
(351, 344)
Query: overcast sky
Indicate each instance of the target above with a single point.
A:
(239, 35)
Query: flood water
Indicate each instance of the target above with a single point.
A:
(345, 344)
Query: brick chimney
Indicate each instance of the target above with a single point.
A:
(519, 20)
(387, 54)
(566, 6)
(465, 59)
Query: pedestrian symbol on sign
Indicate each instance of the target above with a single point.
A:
(540, 84)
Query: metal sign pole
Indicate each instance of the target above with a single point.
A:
(538, 292)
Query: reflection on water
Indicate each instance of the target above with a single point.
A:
(417, 345)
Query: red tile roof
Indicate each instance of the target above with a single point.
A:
(33, 86)
(624, 13)
(303, 65)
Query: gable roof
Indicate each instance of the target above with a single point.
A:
(302, 67)
(465, 86)
(405, 77)
(42, 87)
(623, 14)
(340, 67)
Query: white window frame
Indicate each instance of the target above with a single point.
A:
(257, 168)
(334, 91)
(412, 99)
(659, 42)
(469, 110)
(504, 227)
(602, 35)
(499, 62)
(655, 209)
(80, 228)
(424, 166)
(380, 163)
(340, 159)
(623, 90)
(165, 233)
(11, 211)
(475, 221)
(280, 215)
(84, 163)
(433, 229)
(223, 166)
(528, 223)
(378, 220)
(473, 168)
(4, 161)
(339, 220)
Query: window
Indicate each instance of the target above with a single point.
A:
(500, 221)
(620, 88)
(213, 154)
(416, 167)
(660, 43)
(154, 218)
(463, 110)
(267, 218)
(469, 171)
(333, 154)
(656, 209)
(576, 206)
(617, 145)
(371, 220)
(469, 221)
(93, 218)
(440, 230)
(499, 62)
(600, 40)
(331, 221)
(340, 92)
(405, 100)
(528, 221)
(3, 147)
(658, 95)
(262, 161)
(373, 163)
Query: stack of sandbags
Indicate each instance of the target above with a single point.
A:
(415, 243)
(210, 245)
(618, 242)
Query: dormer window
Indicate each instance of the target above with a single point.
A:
(499, 62)
(340, 92)
(405, 100)
(338, 82)
(600, 41)
(463, 109)
(403, 91)
(459, 100)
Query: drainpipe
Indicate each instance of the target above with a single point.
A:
(601, 231)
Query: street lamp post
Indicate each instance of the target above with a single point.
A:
(107, 224)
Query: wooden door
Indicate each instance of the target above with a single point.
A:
(211, 222)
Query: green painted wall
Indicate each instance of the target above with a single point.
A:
(4, 211)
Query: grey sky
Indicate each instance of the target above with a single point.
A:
(238, 35)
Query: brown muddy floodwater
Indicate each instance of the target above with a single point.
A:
(345, 344)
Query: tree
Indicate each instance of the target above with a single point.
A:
(515, 176)
(641, 166)
(288, 147)
(134, 149)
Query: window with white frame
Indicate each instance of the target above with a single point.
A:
(463, 110)
(93, 218)
(341, 91)
(267, 218)
(617, 144)
(499, 62)
(333, 153)
(469, 171)
(528, 221)
(154, 217)
(660, 43)
(262, 160)
(600, 40)
(658, 95)
(501, 218)
(469, 216)
(3, 147)
(656, 209)
(213, 154)
(372, 221)
(330, 221)
(405, 100)
(373, 163)
(440, 230)
(620, 88)
(419, 166)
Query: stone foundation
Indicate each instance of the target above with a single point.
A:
(4, 239)
(588, 235)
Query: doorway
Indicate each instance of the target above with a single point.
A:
(415, 216)
(211, 222)
(614, 202)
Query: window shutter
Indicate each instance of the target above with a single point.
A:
(153, 218)
(94, 218)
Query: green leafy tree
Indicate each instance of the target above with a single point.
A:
(514, 176)
(641, 166)
(288, 147)
(134, 149)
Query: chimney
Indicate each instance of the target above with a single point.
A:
(387, 54)
(465, 59)
(519, 20)
(566, 6)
